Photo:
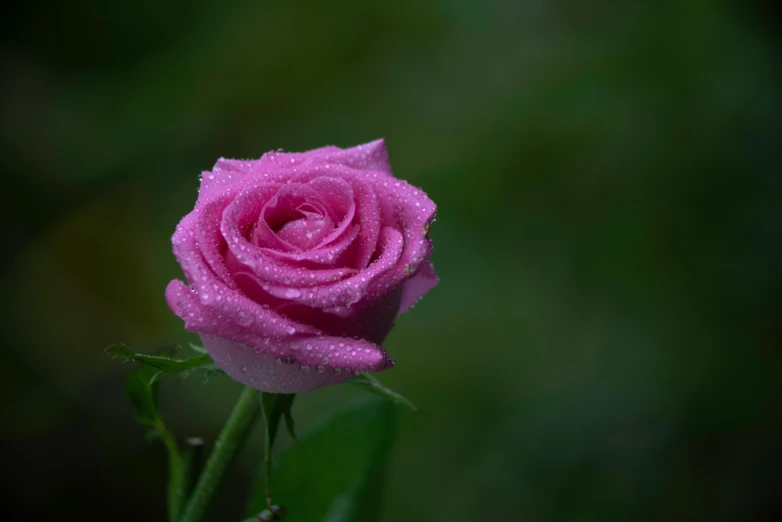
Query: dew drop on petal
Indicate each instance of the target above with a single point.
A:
(292, 293)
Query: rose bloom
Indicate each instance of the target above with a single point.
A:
(298, 263)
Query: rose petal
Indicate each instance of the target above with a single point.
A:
(282, 206)
(274, 271)
(337, 194)
(330, 255)
(411, 211)
(307, 231)
(262, 372)
(371, 322)
(415, 287)
(340, 297)
(368, 213)
(204, 221)
(219, 298)
(369, 156)
(372, 156)
(229, 175)
(279, 166)
(320, 361)
(244, 212)
(230, 323)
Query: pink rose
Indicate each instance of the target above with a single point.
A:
(298, 264)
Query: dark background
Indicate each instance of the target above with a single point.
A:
(604, 344)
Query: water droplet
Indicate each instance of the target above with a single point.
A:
(292, 293)
(305, 369)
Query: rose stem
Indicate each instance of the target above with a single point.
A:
(234, 432)
(175, 492)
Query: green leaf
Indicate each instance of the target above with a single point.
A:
(378, 388)
(275, 406)
(336, 473)
(142, 391)
(163, 363)
(291, 426)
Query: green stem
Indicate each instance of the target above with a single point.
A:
(192, 465)
(231, 438)
(175, 493)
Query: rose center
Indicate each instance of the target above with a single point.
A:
(300, 217)
(306, 231)
(302, 227)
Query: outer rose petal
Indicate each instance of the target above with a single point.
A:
(372, 323)
(369, 156)
(324, 361)
(245, 320)
(255, 355)
(262, 372)
(414, 288)
(372, 156)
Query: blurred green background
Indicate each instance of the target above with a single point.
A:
(605, 341)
